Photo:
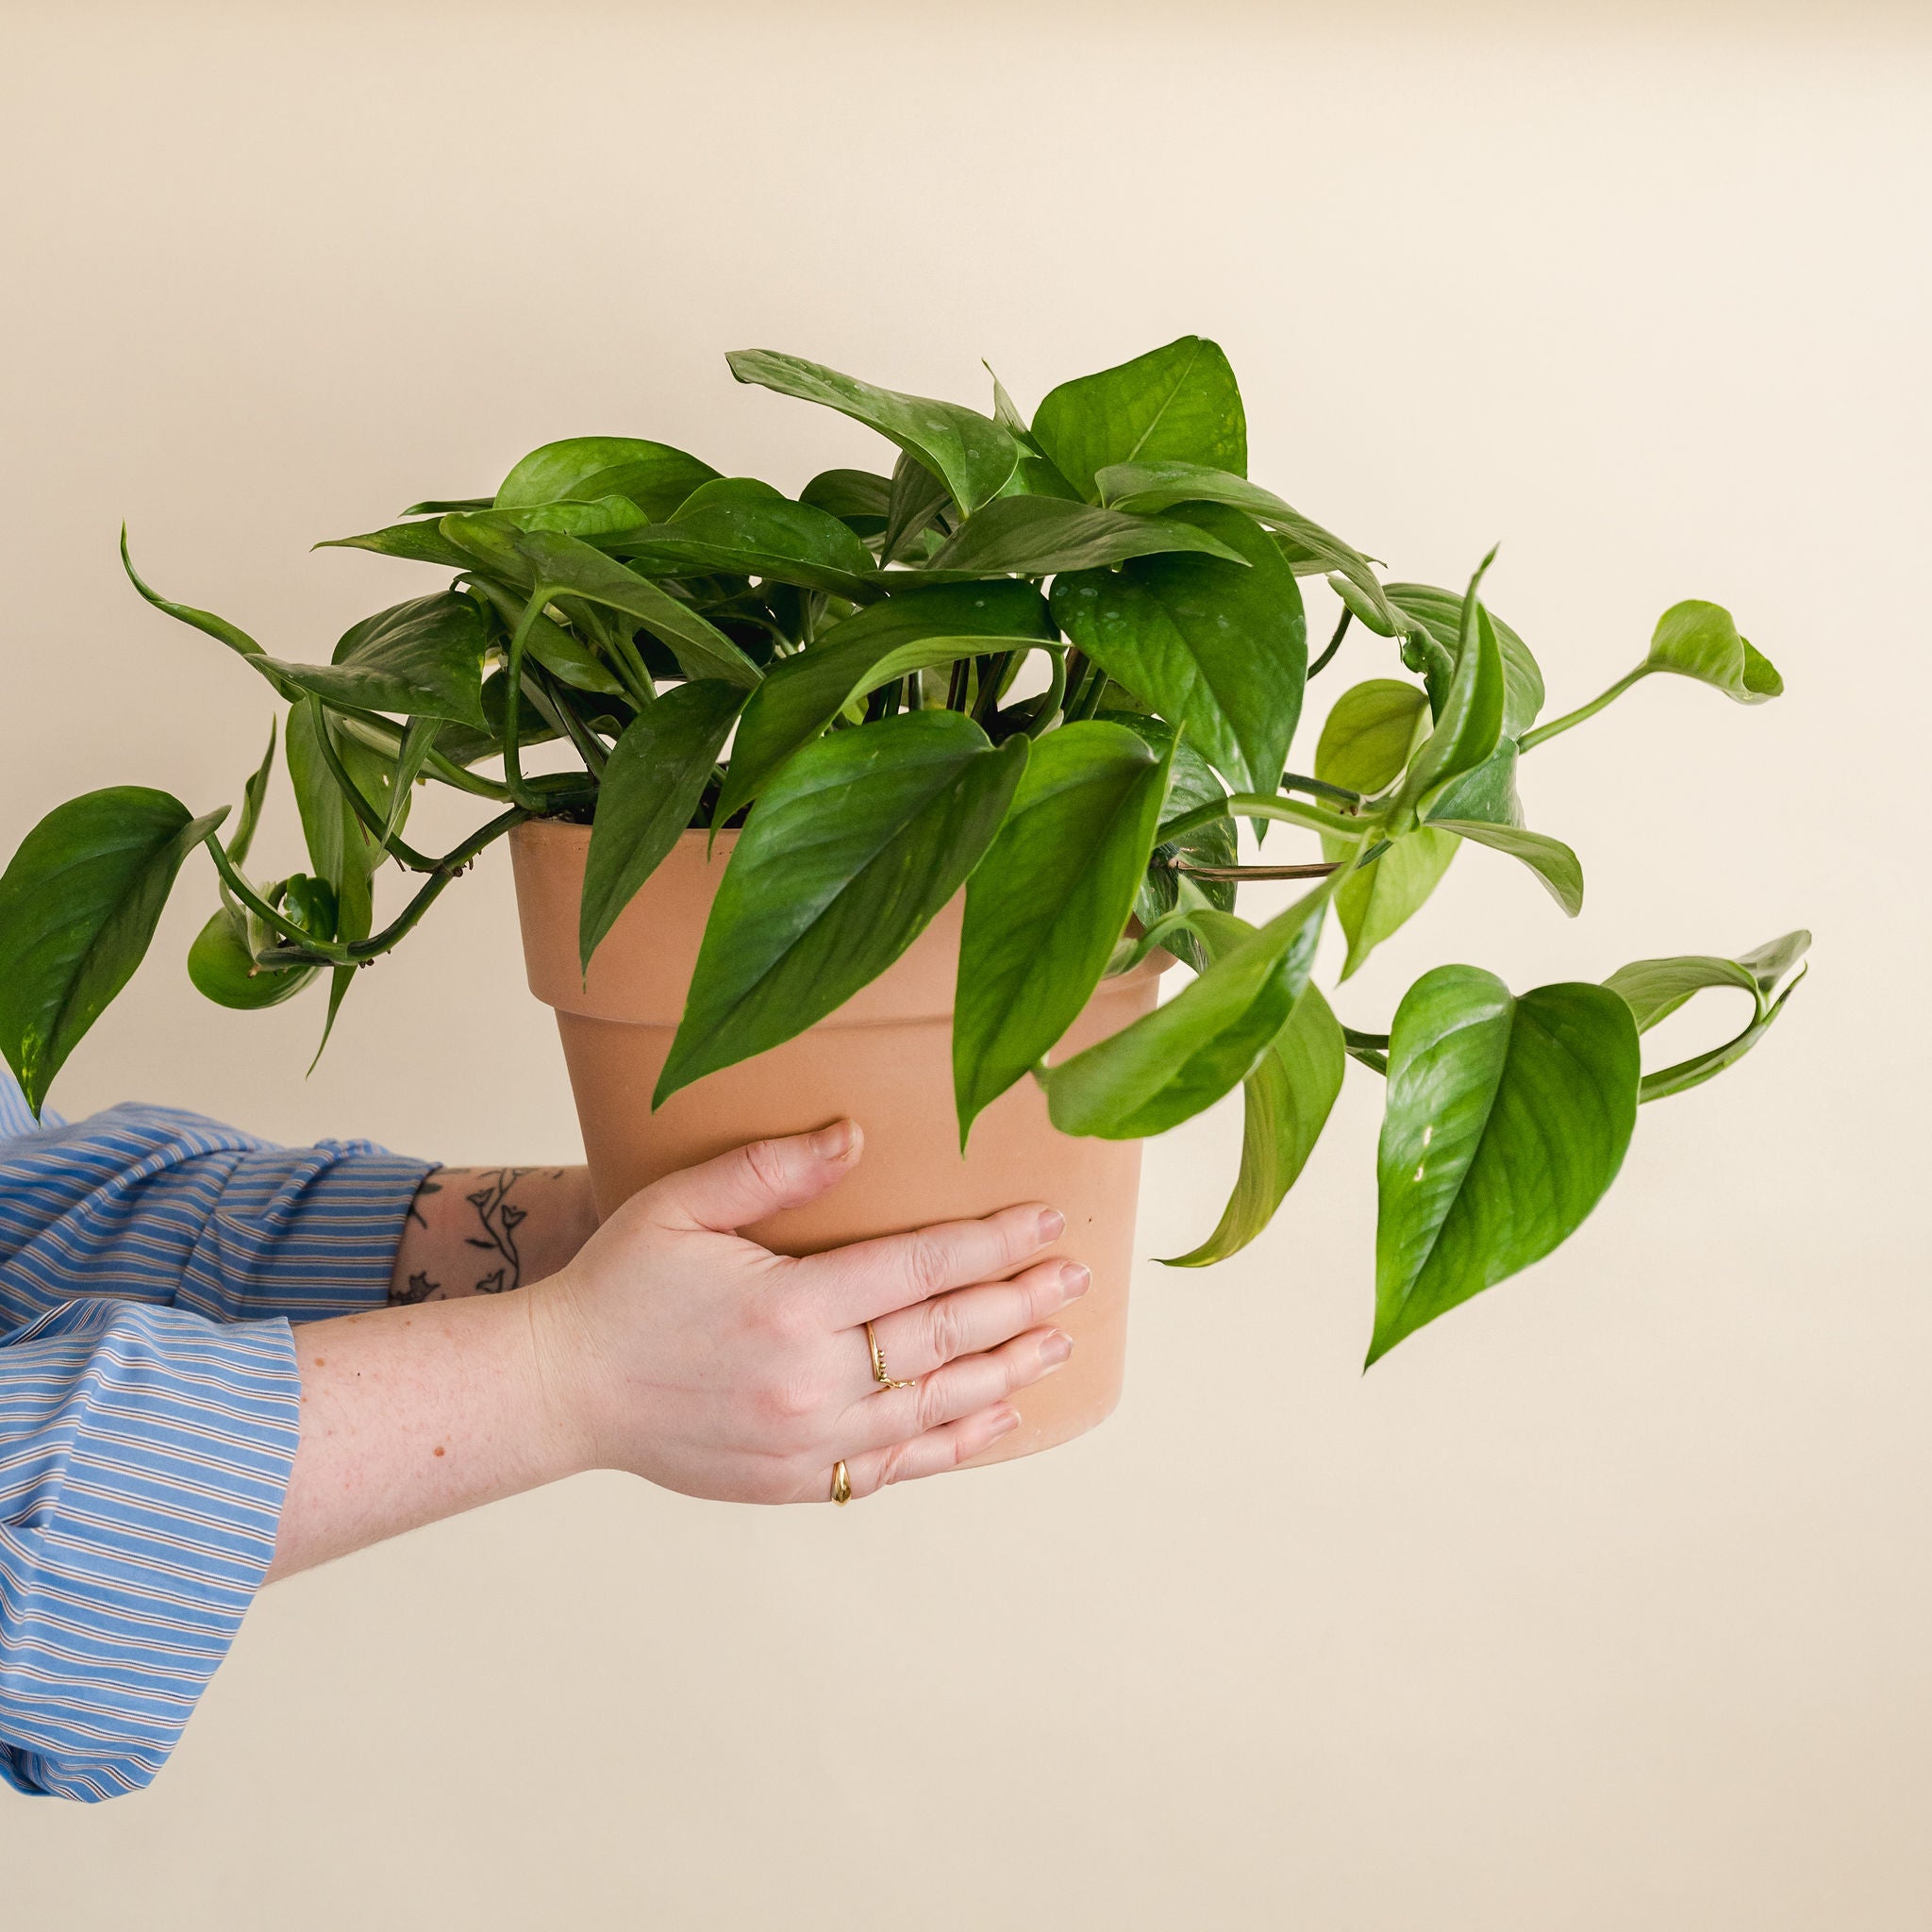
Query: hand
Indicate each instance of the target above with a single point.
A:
(688, 1354)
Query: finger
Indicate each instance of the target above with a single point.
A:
(967, 1321)
(960, 1388)
(752, 1181)
(872, 1278)
(931, 1454)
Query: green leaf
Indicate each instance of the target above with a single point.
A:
(773, 538)
(1367, 739)
(1191, 782)
(563, 564)
(1286, 1100)
(78, 906)
(917, 498)
(1048, 901)
(918, 629)
(1438, 614)
(1219, 650)
(1309, 548)
(1700, 641)
(1369, 733)
(252, 792)
(656, 773)
(972, 454)
(222, 969)
(419, 740)
(232, 634)
(560, 651)
(853, 846)
(1374, 901)
(860, 499)
(423, 657)
(1552, 861)
(1169, 1064)
(419, 542)
(653, 475)
(1469, 721)
(443, 506)
(1176, 404)
(1654, 988)
(1506, 1119)
(1036, 536)
(1488, 793)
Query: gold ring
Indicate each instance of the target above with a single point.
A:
(841, 1484)
(878, 1362)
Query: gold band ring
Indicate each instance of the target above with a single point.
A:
(878, 1362)
(841, 1484)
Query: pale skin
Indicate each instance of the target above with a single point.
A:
(663, 1343)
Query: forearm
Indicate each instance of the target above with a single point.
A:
(412, 1414)
(485, 1230)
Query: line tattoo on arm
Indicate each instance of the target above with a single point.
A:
(500, 1216)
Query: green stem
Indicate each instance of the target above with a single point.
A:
(372, 820)
(450, 866)
(1320, 663)
(512, 700)
(991, 676)
(1530, 739)
(378, 734)
(1320, 788)
(1255, 805)
(312, 952)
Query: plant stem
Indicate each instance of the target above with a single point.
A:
(1255, 805)
(512, 700)
(1319, 870)
(1320, 788)
(1320, 663)
(372, 820)
(313, 951)
(450, 866)
(1530, 739)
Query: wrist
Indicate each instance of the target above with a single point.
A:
(564, 1370)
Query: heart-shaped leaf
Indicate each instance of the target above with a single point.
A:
(1047, 903)
(1037, 536)
(853, 846)
(1309, 548)
(772, 538)
(860, 499)
(970, 453)
(1506, 1119)
(1169, 1064)
(423, 657)
(1179, 403)
(1366, 741)
(657, 772)
(1552, 861)
(222, 969)
(1469, 720)
(562, 564)
(1700, 641)
(918, 629)
(78, 906)
(1286, 1100)
(1217, 650)
(1487, 795)
(1438, 615)
(653, 475)
(420, 542)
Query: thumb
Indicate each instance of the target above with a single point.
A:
(752, 1181)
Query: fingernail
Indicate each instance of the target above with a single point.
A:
(1076, 1280)
(836, 1141)
(1056, 1348)
(1005, 1423)
(1052, 1224)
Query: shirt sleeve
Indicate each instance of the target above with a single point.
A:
(144, 1454)
(151, 1263)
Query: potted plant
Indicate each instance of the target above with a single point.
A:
(895, 797)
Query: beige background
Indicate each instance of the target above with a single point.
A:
(1602, 1603)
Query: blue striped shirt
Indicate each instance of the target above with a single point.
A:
(151, 1262)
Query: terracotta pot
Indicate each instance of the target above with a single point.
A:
(884, 1057)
